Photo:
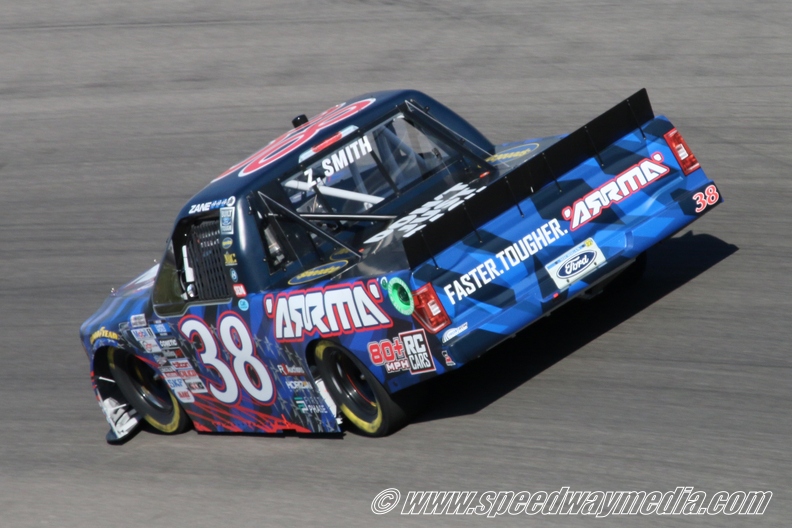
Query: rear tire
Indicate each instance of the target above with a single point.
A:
(147, 392)
(362, 399)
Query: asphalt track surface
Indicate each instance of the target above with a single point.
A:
(112, 114)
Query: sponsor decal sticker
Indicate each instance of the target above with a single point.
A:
(449, 362)
(291, 370)
(234, 275)
(318, 272)
(180, 390)
(173, 353)
(169, 373)
(575, 263)
(451, 333)
(227, 221)
(180, 364)
(239, 290)
(103, 333)
(299, 385)
(187, 373)
(142, 333)
(309, 407)
(329, 311)
(230, 259)
(196, 386)
(169, 343)
(341, 254)
(243, 305)
(146, 338)
(138, 320)
(508, 156)
(209, 206)
(227, 243)
(614, 191)
(190, 378)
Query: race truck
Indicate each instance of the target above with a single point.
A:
(371, 248)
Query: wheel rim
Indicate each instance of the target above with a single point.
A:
(352, 386)
(150, 387)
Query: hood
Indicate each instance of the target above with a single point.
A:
(103, 327)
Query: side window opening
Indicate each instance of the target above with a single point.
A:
(204, 262)
(193, 268)
(276, 257)
(294, 246)
(284, 243)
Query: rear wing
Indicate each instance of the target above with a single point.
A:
(582, 144)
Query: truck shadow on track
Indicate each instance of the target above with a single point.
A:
(483, 381)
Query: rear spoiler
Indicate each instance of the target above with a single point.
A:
(584, 143)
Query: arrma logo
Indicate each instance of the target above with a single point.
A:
(294, 139)
(327, 311)
(614, 191)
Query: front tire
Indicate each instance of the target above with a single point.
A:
(146, 392)
(362, 399)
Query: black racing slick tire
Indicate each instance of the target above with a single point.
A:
(362, 399)
(146, 392)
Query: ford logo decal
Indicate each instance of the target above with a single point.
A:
(577, 264)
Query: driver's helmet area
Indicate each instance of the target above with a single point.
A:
(356, 170)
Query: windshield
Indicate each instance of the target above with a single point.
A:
(355, 170)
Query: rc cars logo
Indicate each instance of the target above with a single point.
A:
(615, 190)
(408, 351)
(327, 311)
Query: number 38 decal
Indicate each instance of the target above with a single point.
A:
(246, 369)
(707, 198)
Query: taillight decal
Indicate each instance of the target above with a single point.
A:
(684, 156)
(429, 311)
